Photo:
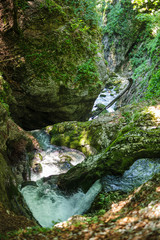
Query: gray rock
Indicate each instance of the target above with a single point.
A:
(46, 84)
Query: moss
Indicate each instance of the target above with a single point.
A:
(79, 135)
(4, 173)
(6, 185)
(5, 93)
(67, 52)
(117, 157)
(12, 190)
(53, 7)
(73, 135)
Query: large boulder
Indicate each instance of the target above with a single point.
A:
(89, 137)
(52, 60)
(135, 135)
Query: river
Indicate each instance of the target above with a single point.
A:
(50, 205)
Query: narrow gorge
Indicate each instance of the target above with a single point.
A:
(79, 119)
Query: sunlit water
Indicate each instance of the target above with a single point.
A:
(49, 205)
(52, 158)
(105, 97)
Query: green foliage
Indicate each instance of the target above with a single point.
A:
(154, 86)
(86, 10)
(4, 91)
(145, 59)
(137, 22)
(53, 7)
(80, 25)
(87, 72)
(146, 6)
(29, 231)
(91, 220)
(21, 4)
(103, 202)
(121, 20)
(61, 53)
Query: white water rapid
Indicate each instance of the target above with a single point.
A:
(47, 203)
(107, 95)
(52, 159)
(50, 205)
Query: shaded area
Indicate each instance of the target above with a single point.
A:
(52, 65)
(9, 221)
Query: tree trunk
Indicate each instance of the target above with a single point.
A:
(15, 16)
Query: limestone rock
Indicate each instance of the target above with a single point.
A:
(14, 144)
(138, 138)
(89, 137)
(56, 69)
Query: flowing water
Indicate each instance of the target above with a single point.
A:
(49, 205)
(105, 97)
(53, 160)
(108, 95)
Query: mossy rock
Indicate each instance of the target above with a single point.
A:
(138, 139)
(59, 69)
(88, 137)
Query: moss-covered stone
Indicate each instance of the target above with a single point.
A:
(88, 137)
(139, 138)
(57, 69)
(94, 136)
(117, 158)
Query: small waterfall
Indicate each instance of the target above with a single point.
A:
(50, 205)
(85, 203)
(108, 95)
(52, 160)
(47, 203)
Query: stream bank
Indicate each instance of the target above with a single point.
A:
(137, 214)
(110, 164)
(144, 119)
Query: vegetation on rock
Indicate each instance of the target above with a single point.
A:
(14, 145)
(136, 215)
(134, 134)
(131, 40)
(52, 71)
(52, 61)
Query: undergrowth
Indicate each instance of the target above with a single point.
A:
(137, 23)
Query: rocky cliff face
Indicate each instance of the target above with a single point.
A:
(14, 144)
(52, 61)
(121, 31)
(130, 47)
